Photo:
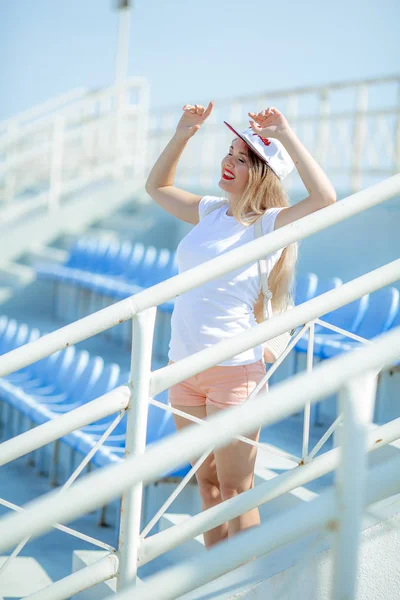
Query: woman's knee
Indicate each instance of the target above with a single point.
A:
(209, 490)
(234, 488)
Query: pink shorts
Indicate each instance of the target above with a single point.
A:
(221, 386)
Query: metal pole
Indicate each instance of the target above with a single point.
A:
(307, 407)
(356, 400)
(121, 74)
(136, 427)
(122, 60)
(56, 164)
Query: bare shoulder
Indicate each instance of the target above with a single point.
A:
(305, 207)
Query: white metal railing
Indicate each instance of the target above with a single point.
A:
(282, 400)
(352, 128)
(285, 399)
(42, 110)
(92, 136)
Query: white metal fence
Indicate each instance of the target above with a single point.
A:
(73, 141)
(354, 374)
(352, 128)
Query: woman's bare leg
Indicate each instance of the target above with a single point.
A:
(235, 470)
(206, 476)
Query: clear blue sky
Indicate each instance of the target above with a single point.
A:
(193, 51)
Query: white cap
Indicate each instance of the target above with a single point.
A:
(270, 150)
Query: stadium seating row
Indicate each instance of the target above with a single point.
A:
(109, 270)
(60, 383)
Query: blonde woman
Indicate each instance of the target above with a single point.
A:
(252, 171)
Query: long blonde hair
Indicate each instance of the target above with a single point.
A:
(264, 190)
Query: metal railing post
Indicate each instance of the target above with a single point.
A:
(307, 407)
(359, 134)
(396, 161)
(10, 179)
(120, 106)
(131, 503)
(356, 403)
(56, 163)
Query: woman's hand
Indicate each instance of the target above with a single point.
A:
(192, 119)
(269, 123)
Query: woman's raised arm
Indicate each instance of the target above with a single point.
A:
(272, 123)
(160, 182)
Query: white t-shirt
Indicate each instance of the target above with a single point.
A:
(223, 307)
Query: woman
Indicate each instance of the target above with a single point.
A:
(251, 173)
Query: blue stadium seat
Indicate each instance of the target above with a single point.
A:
(305, 287)
(323, 286)
(381, 312)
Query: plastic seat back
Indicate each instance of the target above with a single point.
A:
(323, 286)
(21, 336)
(78, 252)
(60, 367)
(305, 287)
(396, 321)
(139, 271)
(45, 366)
(160, 268)
(122, 260)
(349, 316)
(71, 376)
(109, 257)
(87, 371)
(381, 312)
(9, 333)
(99, 257)
(107, 381)
(135, 259)
(33, 334)
(3, 324)
(88, 257)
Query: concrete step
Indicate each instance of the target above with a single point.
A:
(22, 576)
(15, 274)
(189, 548)
(76, 213)
(6, 292)
(307, 565)
(45, 254)
(269, 464)
(83, 558)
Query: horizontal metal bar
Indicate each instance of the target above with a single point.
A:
(175, 493)
(343, 332)
(73, 476)
(283, 400)
(102, 570)
(297, 91)
(242, 438)
(57, 427)
(36, 111)
(38, 150)
(93, 451)
(284, 483)
(84, 101)
(296, 120)
(68, 530)
(164, 291)
(322, 512)
(325, 437)
(174, 373)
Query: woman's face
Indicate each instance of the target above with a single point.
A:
(235, 168)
